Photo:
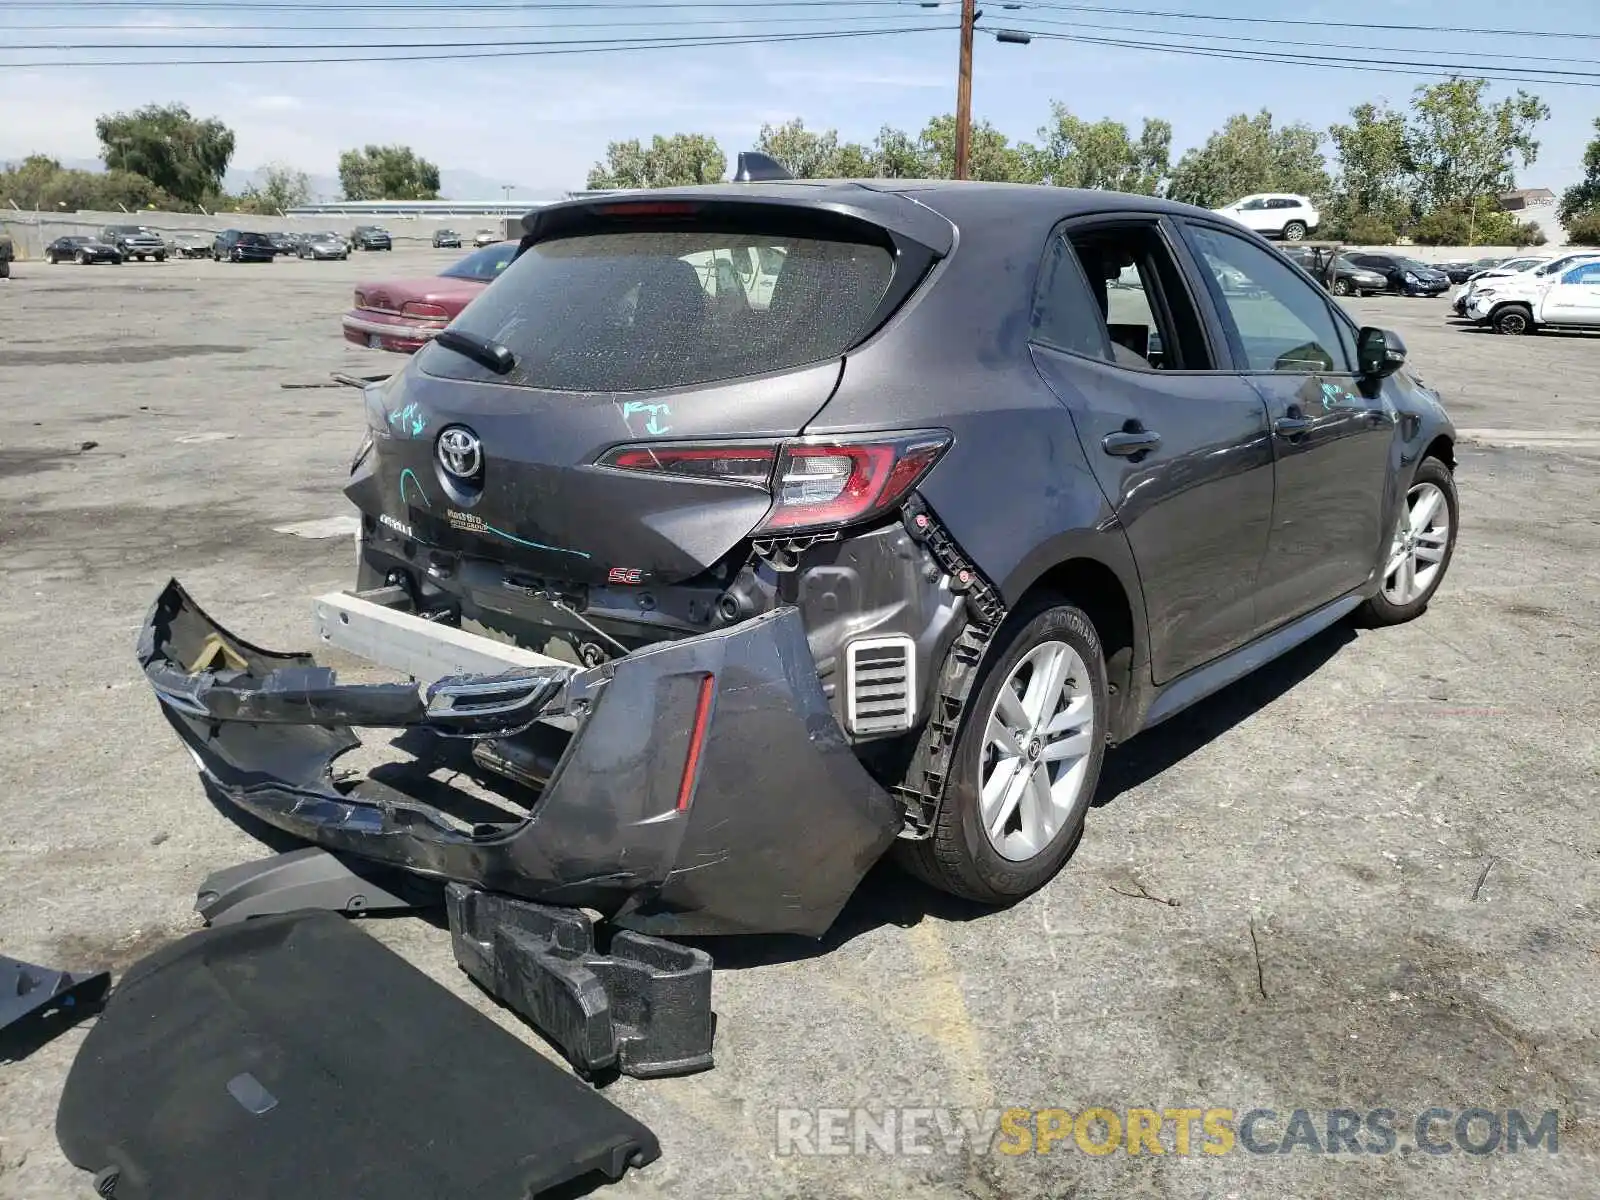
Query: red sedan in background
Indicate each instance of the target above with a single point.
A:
(403, 314)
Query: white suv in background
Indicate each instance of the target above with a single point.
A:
(1275, 214)
(1564, 293)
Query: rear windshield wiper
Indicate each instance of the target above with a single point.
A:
(482, 350)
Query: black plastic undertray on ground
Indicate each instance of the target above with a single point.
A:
(294, 1056)
(642, 1008)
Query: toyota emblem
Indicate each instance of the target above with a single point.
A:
(460, 452)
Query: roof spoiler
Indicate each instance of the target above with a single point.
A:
(755, 167)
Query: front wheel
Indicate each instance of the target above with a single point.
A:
(161, 258)
(1420, 550)
(1294, 231)
(1514, 320)
(83, 259)
(1025, 765)
(1341, 287)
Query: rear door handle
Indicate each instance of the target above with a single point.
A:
(1289, 426)
(1128, 443)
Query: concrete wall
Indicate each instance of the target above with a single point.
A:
(33, 231)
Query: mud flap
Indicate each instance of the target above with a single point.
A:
(643, 1009)
(294, 1056)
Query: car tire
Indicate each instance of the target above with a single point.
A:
(1419, 552)
(1294, 231)
(161, 258)
(961, 855)
(83, 259)
(1341, 287)
(1513, 320)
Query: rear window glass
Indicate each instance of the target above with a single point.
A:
(642, 310)
(254, 239)
(483, 265)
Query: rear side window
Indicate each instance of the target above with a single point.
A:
(642, 310)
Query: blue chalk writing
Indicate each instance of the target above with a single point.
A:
(408, 473)
(654, 424)
(409, 419)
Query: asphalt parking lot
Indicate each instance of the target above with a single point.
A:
(1367, 878)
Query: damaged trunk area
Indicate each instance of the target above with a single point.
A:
(700, 786)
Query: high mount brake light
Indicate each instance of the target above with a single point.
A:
(648, 208)
(814, 484)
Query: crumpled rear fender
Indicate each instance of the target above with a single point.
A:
(706, 788)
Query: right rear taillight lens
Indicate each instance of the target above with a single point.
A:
(815, 484)
(419, 308)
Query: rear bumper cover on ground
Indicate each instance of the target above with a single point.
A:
(706, 789)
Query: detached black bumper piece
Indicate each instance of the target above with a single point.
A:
(644, 1009)
(705, 787)
(36, 1003)
(294, 1056)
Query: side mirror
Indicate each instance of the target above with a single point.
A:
(1379, 353)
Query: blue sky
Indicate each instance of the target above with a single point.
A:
(539, 122)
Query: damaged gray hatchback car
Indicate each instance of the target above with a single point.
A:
(744, 531)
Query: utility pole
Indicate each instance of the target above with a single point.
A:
(969, 18)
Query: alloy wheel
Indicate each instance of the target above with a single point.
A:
(1036, 750)
(1421, 537)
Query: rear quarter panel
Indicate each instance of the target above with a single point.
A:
(1014, 489)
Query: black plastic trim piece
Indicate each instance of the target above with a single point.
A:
(36, 1003)
(643, 1009)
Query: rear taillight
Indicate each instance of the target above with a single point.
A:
(814, 483)
(417, 308)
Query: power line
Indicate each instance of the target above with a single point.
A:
(1227, 37)
(1182, 16)
(493, 26)
(209, 45)
(569, 46)
(434, 6)
(1394, 67)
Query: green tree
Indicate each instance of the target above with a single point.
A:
(1583, 228)
(808, 154)
(281, 187)
(40, 182)
(990, 154)
(1582, 199)
(387, 173)
(676, 161)
(178, 153)
(1374, 168)
(896, 154)
(1102, 154)
(1461, 147)
(1250, 154)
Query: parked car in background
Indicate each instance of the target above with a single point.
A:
(323, 245)
(1275, 214)
(486, 237)
(1404, 276)
(135, 241)
(371, 237)
(237, 245)
(283, 243)
(1506, 266)
(189, 245)
(1349, 279)
(82, 250)
(404, 314)
(1551, 297)
(446, 239)
(1460, 269)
